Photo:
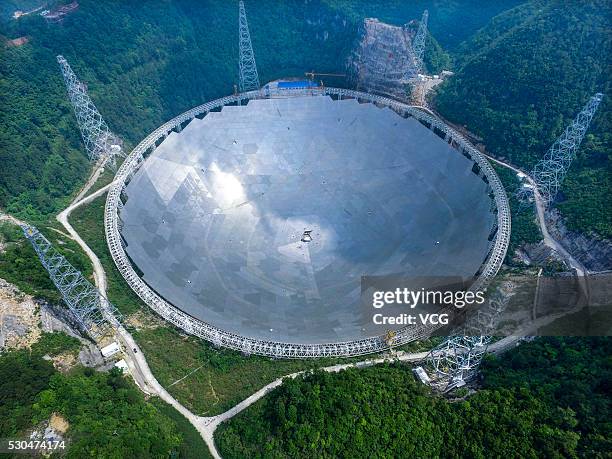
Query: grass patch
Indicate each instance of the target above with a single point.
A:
(55, 343)
(88, 221)
(217, 379)
(222, 377)
(192, 445)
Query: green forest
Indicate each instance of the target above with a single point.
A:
(547, 398)
(108, 415)
(523, 78)
(145, 65)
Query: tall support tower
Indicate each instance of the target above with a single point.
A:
(455, 361)
(100, 142)
(550, 171)
(418, 46)
(89, 310)
(414, 77)
(249, 79)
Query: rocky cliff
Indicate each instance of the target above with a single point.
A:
(382, 59)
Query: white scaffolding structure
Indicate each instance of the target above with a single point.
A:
(549, 172)
(414, 76)
(455, 361)
(418, 45)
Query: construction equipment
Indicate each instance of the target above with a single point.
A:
(390, 337)
(312, 74)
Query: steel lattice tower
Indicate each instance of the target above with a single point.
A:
(418, 46)
(550, 171)
(90, 311)
(249, 79)
(456, 360)
(100, 142)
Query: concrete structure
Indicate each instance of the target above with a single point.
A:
(110, 350)
(122, 365)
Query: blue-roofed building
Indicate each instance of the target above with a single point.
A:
(302, 84)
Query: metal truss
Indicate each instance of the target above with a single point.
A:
(90, 311)
(249, 79)
(414, 76)
(550, 171)
(219, 337)
(485, 319)
(100, 142)
(455, 361)
(418, 46)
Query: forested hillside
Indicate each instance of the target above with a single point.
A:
(107, 414)
(549, 398)
(524, 77)
(450, 21)
(145, 65)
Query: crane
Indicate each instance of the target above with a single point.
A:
(312, 74)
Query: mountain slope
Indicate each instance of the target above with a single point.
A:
(523, 78)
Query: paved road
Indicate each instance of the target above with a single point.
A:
(549, 241)
(540, 208)
(581, 271)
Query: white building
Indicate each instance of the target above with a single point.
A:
(422, 375)
(122, 365)
(110, 350)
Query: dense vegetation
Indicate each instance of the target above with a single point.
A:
(20, 265)
(108, 416)
(573, 374)
(23, 375)
(100, 408)
(524, 77)
(557, 407)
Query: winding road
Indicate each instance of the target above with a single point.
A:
(549, 241)
(541, 209)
